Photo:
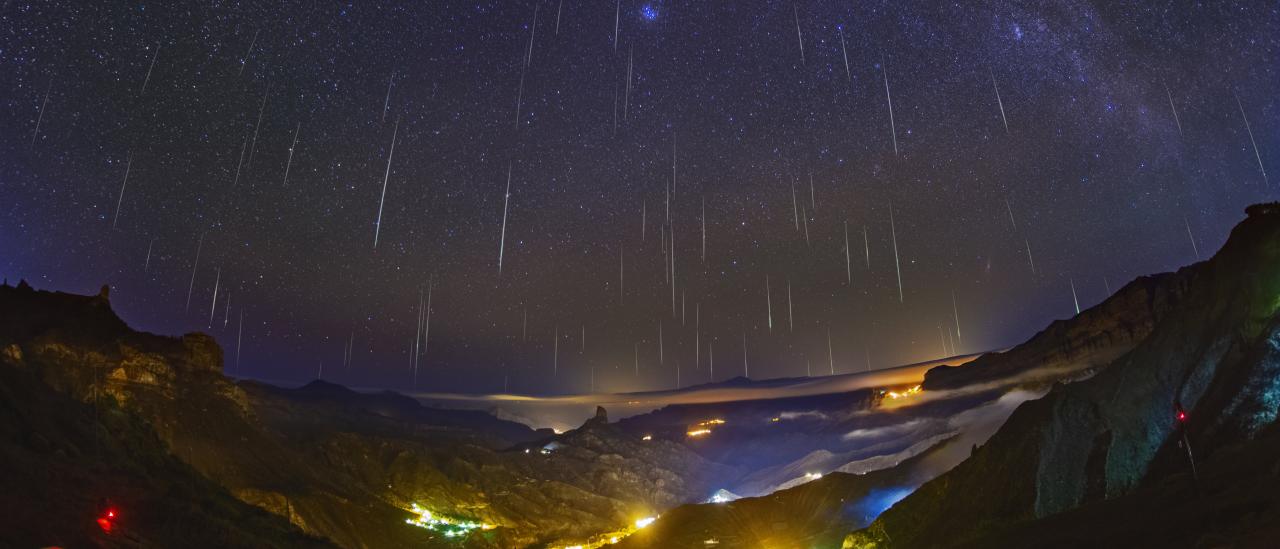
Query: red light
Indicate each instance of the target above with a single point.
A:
(106, 520)
(1182, 416)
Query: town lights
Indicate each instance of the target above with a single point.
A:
(610, 538)
(904, 394)
(703, 427)
(450, 527)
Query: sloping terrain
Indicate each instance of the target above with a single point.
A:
(151, 424)
(813, 514)
(1236, 504)
(66, 464)
(1092, 339)
(1212, 352)
(337, 464)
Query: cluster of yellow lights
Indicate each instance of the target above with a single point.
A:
(614, 537)
(450, 527)
(703, 428)
(904, 394)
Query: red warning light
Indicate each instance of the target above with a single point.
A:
(1182, 416)
(107, 520)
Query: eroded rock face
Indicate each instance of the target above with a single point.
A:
(1091, 340)
(338, 464)
(69, 452)
(1212, 349)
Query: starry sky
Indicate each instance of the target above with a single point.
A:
(292, 177)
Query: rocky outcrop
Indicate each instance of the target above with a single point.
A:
(339, 464)
(1211, 351)
(1087, 341)
(66, 463)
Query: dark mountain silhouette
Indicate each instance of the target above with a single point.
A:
(1113, 443)
(335, 463)
(99, 416)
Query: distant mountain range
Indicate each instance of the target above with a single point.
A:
(126, 438)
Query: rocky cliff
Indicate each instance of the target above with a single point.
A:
(72, 458)
(1213, 351)
(1090, 340)
(337, 464)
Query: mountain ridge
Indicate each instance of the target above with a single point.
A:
(1116, 432)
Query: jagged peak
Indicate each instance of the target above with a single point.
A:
(601, 418)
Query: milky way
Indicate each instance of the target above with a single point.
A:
(1045, 153)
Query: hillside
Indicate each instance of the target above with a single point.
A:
(1212, 351)
(69, 463)
(336, 464)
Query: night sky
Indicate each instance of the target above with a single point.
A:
(182, 116)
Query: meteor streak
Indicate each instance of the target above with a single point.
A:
(119, 200)
(845, 53)
(955, 314)
(192, 285)
(1029, 259)
(506, 198)
(768, 301)
(245, 60)
(626, 99)
(213, 307)
(1173, 108)
(831, 361)
(1247, 128)
(893, 129)
(253, 148)
(791, 322)
(40, 118)
(999, 101)
(293, 146)
(1194, 248)
(1074, 299)
(146, 265)
(866, 245)
(377, 226)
